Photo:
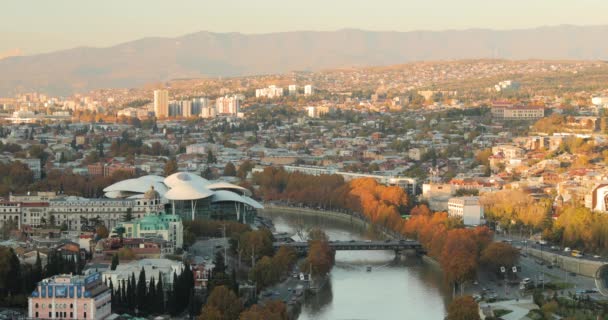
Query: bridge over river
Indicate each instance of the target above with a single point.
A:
(398, 246)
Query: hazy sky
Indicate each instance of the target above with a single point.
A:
(47, 25)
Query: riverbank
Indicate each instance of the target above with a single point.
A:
(353, 292)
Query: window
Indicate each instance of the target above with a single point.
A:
(36, 314)
(71, 314)
(85, 315)
(36, 305)
(50, 315)
(71, 306)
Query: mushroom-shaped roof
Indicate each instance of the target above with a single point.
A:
(222, 185)
(187, 191)
(137, 185)
(179, 178)
(223, 195)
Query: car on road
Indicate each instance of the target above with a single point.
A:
(597, 257)
(567, 249)
(554, 248)
(207, 258)
(525, 283)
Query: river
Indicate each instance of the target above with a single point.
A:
(394, 289)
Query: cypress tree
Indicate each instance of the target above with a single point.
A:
(13, 276)
(151, 296)
(141, 290)
(115, 262)
(132, 293)
(173, 298)
(160, 295)
(112, 295)
(123, 294)
(37, 270)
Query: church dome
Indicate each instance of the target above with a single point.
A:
(151, 194)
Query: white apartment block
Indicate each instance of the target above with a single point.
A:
(467, 208)
(308, 90)
(161, 103)
(270, 92)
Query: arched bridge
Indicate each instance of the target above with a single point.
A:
(396, 245)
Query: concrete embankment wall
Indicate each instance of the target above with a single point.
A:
(571, 264)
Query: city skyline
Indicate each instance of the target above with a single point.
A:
(67, 24)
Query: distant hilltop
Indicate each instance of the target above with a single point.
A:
(206, 54)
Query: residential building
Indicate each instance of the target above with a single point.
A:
(467, 208)
(228, 105)
(161, 103)
(270, 92)
(505, 111)
(308, 90)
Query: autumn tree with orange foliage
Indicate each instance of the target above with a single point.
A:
(498, 254)
(381, 204)
(463, 308)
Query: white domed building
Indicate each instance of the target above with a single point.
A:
(190, 196)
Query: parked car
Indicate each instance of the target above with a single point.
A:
(567, 249)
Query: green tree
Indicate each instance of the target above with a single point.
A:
(141, 290)
(160, 296)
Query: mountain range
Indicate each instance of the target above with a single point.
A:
(207, 54)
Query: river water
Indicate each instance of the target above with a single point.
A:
(394, 289)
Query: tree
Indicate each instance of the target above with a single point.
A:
(115, 262)
(244, 169)
(210, 313)
(498, 254)
(229, 170)
(128, 215)
(141, 290)
(160, 296)
(459, 256)
(224, 301)
(170, 167)
(211, 157)
(126, 254)
(102, 231)
(463, 308)
(37, 269)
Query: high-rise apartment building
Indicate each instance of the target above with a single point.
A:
(308, 90)
(161, 103)
(293, 89)
(228, 105)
